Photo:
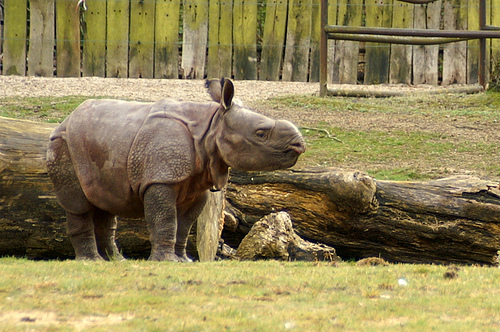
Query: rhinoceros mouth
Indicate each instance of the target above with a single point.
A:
(298, 147)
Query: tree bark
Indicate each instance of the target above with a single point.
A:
(441, 221)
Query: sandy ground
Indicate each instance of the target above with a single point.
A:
(143, 89)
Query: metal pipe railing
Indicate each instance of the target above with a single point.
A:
(404, 36)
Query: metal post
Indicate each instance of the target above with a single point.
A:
(323, 50)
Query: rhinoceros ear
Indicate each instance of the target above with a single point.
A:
(214, 89)
(227, 94)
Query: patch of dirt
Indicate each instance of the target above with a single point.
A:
(30, 320)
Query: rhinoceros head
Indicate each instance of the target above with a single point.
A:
(250, 141)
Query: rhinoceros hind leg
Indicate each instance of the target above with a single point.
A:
(62, 173)
(81, 234)
(161, 215)
(184, 224)
(105, 228)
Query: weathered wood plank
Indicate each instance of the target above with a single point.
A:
(117, 37)
(209, 226)
(347, 52)
(194, 44)
(473, 45)
(166, 51)
(41, 50)
(94, 39)
(141, 47)
(67, 39)
(14, 46)
(332, 69)
(315, 38)
(245, 39)
(495, 43)
(220, 38)
(377, 56)
(1, 33)
(425, 58)
(455, 54)
(400, 65)
(298, 39)
(273, 40)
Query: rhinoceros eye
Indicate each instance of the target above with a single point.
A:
(261, 133)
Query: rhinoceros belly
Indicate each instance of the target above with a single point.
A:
(100, 135)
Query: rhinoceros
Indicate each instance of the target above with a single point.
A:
(157, 160)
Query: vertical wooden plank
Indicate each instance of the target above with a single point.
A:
(315, 37)
(495, 42)
(1, 34)
(245, 39)
(473, 45)
(425, 58)
(117, 28)
(141, 47)
(167, 39)
(41, 50)
(220, 38)
(273, 40)
(455, 54)
(401, 55)
(67, 39)
(194, 46)
(14, 47)
(378, 14)
(298, 38)
(333, 67)
(94, 39)
(347, 52)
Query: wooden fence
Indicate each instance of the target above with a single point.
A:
(254, 39)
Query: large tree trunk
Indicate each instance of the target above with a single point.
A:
(448, 220)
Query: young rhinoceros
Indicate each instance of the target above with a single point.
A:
(157, 160)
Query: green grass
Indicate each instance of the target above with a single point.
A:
(396, 155)
(46, 109)
(481, 105)
(245, 296)
(402, 138)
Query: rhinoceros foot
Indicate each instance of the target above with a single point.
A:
(160, 257)
(184, 259)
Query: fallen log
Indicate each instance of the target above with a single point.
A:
(454, 220)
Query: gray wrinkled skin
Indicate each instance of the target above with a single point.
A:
(116, 158)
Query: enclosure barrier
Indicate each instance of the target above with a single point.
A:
(403, 36)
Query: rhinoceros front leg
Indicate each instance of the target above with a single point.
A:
(184, 224)
(161, 215)
(105, 229)
(81, 234)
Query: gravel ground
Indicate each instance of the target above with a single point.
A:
(143, 89)
(155, 89)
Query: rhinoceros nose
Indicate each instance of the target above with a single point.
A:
(298, 146)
